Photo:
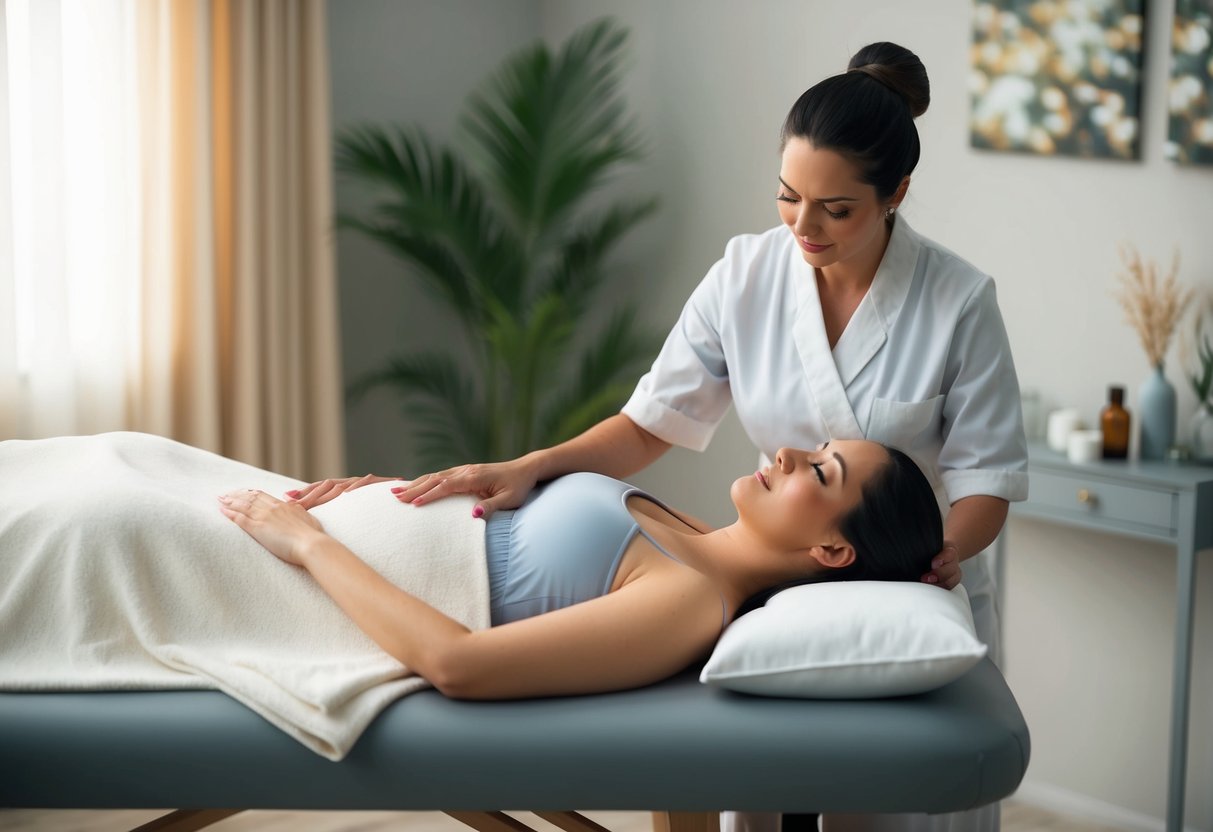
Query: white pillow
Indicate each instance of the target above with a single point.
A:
(849, 639)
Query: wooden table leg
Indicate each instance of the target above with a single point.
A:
(686, 822)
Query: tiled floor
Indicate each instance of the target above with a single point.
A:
(1016, 817)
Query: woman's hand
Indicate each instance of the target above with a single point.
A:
(499, 485)
(945, 568)
(319, 493)
(284, 528)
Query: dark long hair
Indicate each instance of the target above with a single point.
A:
(867, 114)
(895, 530)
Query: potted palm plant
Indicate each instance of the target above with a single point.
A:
(507, 242)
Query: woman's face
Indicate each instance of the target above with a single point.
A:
(798, 501)
(836, 218)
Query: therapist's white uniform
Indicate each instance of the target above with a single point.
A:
(923, 365)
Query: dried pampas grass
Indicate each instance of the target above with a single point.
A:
(1152, 307)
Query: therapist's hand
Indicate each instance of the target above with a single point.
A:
(321, 492)
(498, 485)
(945, 568)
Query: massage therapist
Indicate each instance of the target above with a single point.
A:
(840, 323)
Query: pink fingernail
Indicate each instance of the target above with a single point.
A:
(477, 512)
(397, 490)
(293, 494)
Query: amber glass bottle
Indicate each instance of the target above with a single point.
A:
(1114, 423)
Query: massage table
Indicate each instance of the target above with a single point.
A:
(679, 748)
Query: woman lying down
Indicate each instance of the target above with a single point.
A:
(129, 561)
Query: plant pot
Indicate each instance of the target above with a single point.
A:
(1156, 415)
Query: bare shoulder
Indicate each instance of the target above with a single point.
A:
(642, 506)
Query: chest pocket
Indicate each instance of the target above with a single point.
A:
(906, 425)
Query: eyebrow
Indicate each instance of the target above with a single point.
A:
(824, 199)
(841, 465)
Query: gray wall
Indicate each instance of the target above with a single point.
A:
(1089, 618)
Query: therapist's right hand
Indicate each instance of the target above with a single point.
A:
(497, 485)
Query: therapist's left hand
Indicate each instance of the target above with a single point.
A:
(945, 568)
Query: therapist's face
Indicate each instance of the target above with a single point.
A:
(837, 219)
(797, 502)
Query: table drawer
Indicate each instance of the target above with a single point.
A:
(1084, 498)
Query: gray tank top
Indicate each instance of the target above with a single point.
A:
(562, 546)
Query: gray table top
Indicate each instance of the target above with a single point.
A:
(677, 746)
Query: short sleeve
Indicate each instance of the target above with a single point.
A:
(685, 394)
(984, 450)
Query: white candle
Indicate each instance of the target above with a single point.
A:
(1061, 424)
(1084, 445)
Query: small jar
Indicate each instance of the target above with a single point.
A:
(1114, 424)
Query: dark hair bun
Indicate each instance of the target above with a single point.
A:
(897, 68)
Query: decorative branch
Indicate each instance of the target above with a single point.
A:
(1152, 306)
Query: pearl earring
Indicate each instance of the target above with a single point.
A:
(889, 212)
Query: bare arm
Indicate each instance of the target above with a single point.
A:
(634, 636)
(643, 632)
(616, 446)
(973, 523)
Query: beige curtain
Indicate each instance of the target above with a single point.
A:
(166, 241)
(239, 320)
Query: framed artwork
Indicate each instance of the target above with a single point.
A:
(1190, 94)
(1057, 78)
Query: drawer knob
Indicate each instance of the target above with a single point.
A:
(1086, 497)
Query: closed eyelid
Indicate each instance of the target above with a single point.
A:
(821, 477)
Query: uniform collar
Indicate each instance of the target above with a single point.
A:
(869, 327)
(829, 372)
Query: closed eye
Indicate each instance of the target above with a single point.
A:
(820, 474)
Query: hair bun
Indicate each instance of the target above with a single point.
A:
(897, 68)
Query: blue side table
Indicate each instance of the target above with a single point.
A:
(1158, 501)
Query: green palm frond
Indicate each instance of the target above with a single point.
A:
(548, 128)
(443, 404)
(433, 215)
(530, 349)
(506, 245)
(575, 275)
(432, 261)
(534, 340)
(607, 373)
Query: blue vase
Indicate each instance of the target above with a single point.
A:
(1156, 415)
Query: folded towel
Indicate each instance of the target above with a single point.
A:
(117, 571)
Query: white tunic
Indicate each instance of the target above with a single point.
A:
(923, 365)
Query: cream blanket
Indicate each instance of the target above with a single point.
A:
(117, 571)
